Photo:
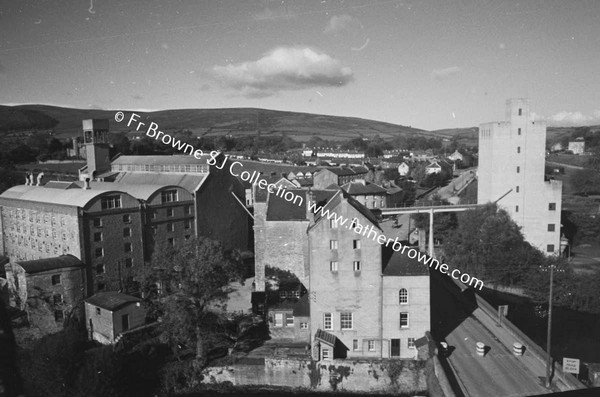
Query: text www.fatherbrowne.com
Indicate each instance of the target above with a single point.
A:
(368, 231)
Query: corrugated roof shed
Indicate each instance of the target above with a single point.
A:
(111, 301)
(42, 265)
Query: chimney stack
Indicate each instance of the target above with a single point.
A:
(86, 184)
(39, 178)
(30, 178)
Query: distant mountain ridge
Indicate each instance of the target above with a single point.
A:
(235, 121)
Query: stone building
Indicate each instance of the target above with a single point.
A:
(577, 146)
(357, 304)
(368, 194)
(109, 314)
(337, 176)
(47, 289)
(511, 170)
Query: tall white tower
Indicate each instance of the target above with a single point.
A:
(95, 137)
(511, 164)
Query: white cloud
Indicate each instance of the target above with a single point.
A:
(284, 69)
(441, 74)
(338, 23)
(567, 118)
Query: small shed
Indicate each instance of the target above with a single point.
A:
(109, 314)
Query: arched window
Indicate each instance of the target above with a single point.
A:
(403, 296)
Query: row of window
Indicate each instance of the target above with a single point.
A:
(371, 344)
(101, 268)
(35, 216)
(99, 252)
(551, 207)
(38, 244)
(99, 236)
(333, 244)
(347, 320)
(98, 221)
(199, 168)
(39, 231)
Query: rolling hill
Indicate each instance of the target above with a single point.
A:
(237, 121)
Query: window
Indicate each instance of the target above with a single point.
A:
(520, 112)
(325, 354)
(411, 343)
(171, 241)
(354, 224)
(356, 266)
(154, 230)
(153, 215)
(403, 296)
(279, 319)
(98, 311)
(188, 224)
(519, 131)
(127, 218)
(403, 320)
(56, 279)
(346, 320)
(58, 299)
(517, 208)
(99, 252)
(110, 202)
(552, 207)
(371, 345)
(98, 236)
(356, 244)
(187, 236)
(333, 266)
(126, 232)
(128, 262)
(98, 222)
(327, 321)
(188, 210)
(518, 169)
(169, 212)
(518, 149)
(59, 315)
(551, 227)
(303, 325)
(289, 320)
(333, 223)
(127, 247)
(355, 344)
(517, 189)
(333, 244)
(170, 227)
(169, 196)
(550, 248)
(100, 269)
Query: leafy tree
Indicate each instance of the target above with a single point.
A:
(489, 245)
(586, 181)
(443, 223)
(185, 284)
(373, 150)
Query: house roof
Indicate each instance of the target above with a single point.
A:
(41, 194)
(260, 194)
(337, 199)
(111, 301)
(363, 187)
(190, 182)
(341, 171)
(400, 264)
(302, 307)
(46, 264)
(326, 337)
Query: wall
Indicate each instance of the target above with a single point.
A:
(346, 290)
(324, 178)
(101, 324)
(380, 376)
(418, 309)
(137, 317)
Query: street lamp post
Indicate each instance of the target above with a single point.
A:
(549, 358)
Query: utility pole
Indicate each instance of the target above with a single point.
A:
(549, 358)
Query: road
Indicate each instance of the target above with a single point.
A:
(499, 373)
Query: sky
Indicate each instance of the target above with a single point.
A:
(425, 64)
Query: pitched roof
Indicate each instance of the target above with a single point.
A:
(400, 264)
(46, 264)
(326, 337)
(362, 187)
(190, 182)
(111, 301)
(260, 194)
(341, 171)
(337, 199)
